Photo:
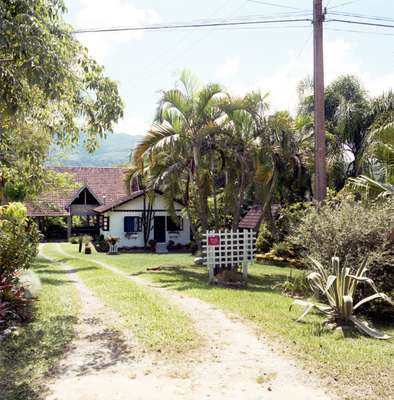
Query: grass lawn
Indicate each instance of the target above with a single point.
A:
(26, 358)
(359, 367)
(154, 322)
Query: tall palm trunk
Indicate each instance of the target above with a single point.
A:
(214, 193)
(201, 189)
(266, 206)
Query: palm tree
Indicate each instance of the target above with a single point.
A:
(178, 146)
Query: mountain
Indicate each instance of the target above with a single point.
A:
(114, 150)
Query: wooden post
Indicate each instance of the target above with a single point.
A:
(320, 139)
(69, 225)
(245, 256)
(210, 259)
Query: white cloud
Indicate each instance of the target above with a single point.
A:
(339, 60)
(104, 13)
(228, 69)
(133, 125)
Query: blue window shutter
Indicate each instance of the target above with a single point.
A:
(132, 224)
(128, 224)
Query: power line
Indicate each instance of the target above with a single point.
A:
(361, 16)
(344, 4)
(346, 21)
(187, 25)
(190, 46)
(276, 5)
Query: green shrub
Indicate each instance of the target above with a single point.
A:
(349, 230)
(352, 231)
(73, 240)
(290, 216)
(282, 249)
(19, 238)
(86, 239)
(381, 271)
(295, 286)
(264, 239)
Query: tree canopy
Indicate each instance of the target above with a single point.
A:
(51, 90)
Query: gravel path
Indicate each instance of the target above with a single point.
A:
(236, 364)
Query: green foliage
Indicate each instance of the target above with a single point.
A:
(282, 249)
(51, 91)
(337, 285)
(86, 239)
(290, 216)
(296, 285)
(264, 239)
(73, 240)
(381, 271)
(349, 230)
(19, 238)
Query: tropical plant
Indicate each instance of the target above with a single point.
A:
(178, 144)
(296, 285)
(73, 239)
(347, 229)
(370, 189)
(358, 129)
(264, 239)
(337, 285)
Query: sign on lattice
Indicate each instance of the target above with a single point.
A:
(229, 249)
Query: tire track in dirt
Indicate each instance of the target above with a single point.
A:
(236, 364)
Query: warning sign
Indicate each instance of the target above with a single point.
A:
(213, 240)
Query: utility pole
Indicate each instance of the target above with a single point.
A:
(320, 138)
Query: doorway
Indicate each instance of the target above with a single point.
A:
(159, 229)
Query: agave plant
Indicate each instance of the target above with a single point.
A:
(338, 285)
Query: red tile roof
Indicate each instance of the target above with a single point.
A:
(107, 184)
(253, 217)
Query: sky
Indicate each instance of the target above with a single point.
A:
(270, 59)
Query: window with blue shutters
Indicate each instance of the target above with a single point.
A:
(132, 224)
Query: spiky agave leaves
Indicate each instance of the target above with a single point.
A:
(338, 287)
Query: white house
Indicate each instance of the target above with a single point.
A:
(135, 220)
(101, 202)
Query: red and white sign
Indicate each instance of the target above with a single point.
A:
(214, 240)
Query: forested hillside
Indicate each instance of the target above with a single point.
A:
(114, 150)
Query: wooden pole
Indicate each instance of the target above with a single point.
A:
(320, 139)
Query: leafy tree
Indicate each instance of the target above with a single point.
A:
(353, 120)
(50, 90)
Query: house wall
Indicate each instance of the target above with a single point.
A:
(134, 208)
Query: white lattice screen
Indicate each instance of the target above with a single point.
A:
(229, 249)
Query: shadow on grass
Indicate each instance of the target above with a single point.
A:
(38, 346)
(56, 282)
(64, 271)
(180, 278)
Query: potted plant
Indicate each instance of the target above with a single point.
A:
(113, 244)
(152, 244)
(88, 248)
